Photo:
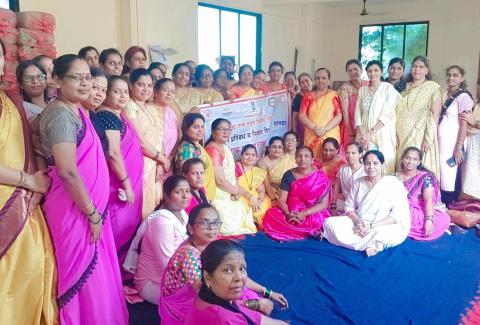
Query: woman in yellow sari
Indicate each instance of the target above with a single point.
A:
(236, 217)
(193, 131)
(27, 263)
(418, 113)
(148, 122)
(320, 113)
(276, 162)
(204, 81)
(244, 88)
(252, 180)
(186, 97)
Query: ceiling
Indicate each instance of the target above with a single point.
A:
(346, 2)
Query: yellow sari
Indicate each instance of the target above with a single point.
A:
(27, 262)
(211, 97)
(320, 111)
(415, 122)
(251, 181)
(275, 174)
(236, 92)
(183, 103)
(151, 121)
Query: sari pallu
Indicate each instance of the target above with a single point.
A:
(320, 111)
(251, 181)
(276, 173)
(89, 283)
(441, 220)
(304, 193)
(415, 123)
(27, 263)
(126, 217)
(237, 92)
(387, 198)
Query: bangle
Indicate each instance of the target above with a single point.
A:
(252, 304)
(123, 180)
(429, 218)
(22, 179)
(91, 214)
(95, 222)
(90, 204)
(267, 293)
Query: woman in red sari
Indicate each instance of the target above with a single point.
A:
(303, 202)
(330, 162)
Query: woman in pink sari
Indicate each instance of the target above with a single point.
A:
(224, 297)
(89, 283)
(126, 166)
(303, 202)
(428, 220)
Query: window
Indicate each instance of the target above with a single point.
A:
(228, 32)
(387, 41)
(9, 4)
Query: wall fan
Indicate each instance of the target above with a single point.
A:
(364, 11)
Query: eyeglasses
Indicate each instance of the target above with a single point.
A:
(224, 130)
(79, 78)
(204, 224)
(37, 77)
(206, 76)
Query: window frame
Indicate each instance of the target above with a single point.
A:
(405, 24)
(258, 50)
(14, 5)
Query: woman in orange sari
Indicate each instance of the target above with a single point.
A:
(27, 263)
(320, 113)
(330, 162)
(244, 88)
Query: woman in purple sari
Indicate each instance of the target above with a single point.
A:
(125, 159)
(428, 220)
(303, 202)
(89, 283)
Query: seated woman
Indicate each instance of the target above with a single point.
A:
(32, 81)
(183, 276)
(377, 212)
(303, 202)
(157, 239)
(237, 218)
(244, 88)
(125, 160)
(194, 171)
(216, 303)
(346, 175)
(193, 130)
(330, 162)
(428, 221)
(252, 180)
(276, 163)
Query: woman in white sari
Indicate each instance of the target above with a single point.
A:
(377, 211)
(375, 115)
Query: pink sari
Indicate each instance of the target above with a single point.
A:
(89, 283)
(441, 220)
(126, 217)
(304, 193)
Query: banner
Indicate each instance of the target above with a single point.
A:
(253, 120)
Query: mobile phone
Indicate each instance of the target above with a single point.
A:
(451, 162)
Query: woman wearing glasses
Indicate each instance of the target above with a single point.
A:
(32, 80)
(89, 284)
(237, 218)
(204, 82)
(183, 276)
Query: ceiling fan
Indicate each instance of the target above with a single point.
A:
(364, 11)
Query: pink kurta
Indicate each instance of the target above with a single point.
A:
(447, 137)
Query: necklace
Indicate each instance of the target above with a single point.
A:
(148, 114)
(70, 109)
(405, 177)
(249, 184)
(324, 99)
(371, 92)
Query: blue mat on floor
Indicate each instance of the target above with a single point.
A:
(414, 283)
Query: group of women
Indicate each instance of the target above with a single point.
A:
(113, 150)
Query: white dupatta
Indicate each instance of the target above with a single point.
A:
(131, 261)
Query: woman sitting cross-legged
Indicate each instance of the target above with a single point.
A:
(157, 239)
(223, 297)
(428, 220)
(377, 212)
(252, 180)
(182, 280)
(303, 202)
